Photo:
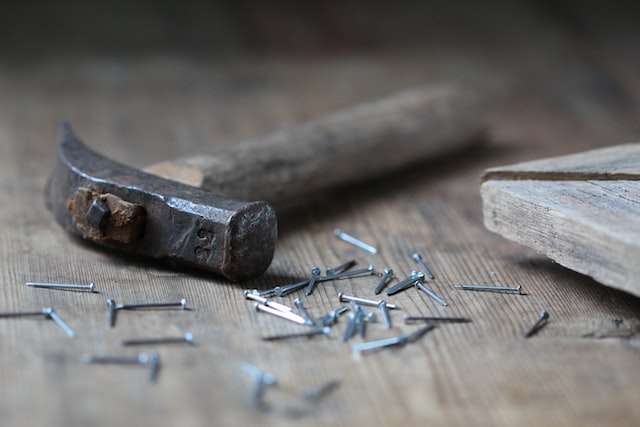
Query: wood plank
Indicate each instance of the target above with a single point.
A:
(588, 226)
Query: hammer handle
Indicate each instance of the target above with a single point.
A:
(351, 145)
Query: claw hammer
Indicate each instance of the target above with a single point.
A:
(202, 211)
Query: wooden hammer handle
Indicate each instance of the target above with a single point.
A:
(351, 145)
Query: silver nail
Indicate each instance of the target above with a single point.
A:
(323, 330)
(22, 314)
(385, 313)
(388, 273)
(154, 366)
(415, 319)
(111, 307)
(316, 394)
(187, 338)
(429, 292)
(280, 291)
(489, 288)
(268, 302)
(341, 268)
(348, 298)
(70, 286)
(542, 320)
(350, 273)
(350, 330)
(303, 311)
(332, 317)
(292, 317)
(356, 242)
(393, 341)
(261, 380)
(315, 273)
(406, 283)
(48, 311)
(182, 304)
(418, 258)
(139, 359)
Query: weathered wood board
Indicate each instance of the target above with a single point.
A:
(582, 210)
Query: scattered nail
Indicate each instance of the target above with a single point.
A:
(416, 319)
(406, 283)
(268, 302)
(261, 381)
(388, 274)
(324, 330)
(356, 242)
(341, 268)
(348, 298)
(186, 338)
(542, 320)
(316, 394)
(418, 258)
(67, 286)
(489, 288)
(292, 317)
(315, 273)
(385, 313)
(429, 292)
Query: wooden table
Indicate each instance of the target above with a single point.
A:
(563, 90)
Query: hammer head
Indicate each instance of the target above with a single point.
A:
(124, 208)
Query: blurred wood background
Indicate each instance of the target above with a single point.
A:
(144, 81)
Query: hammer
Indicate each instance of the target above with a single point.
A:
(205, 222)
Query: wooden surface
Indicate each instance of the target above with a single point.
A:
(571, 82)
(580, 210)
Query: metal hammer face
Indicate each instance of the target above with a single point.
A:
(124, 208)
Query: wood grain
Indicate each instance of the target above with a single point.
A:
(141, 109)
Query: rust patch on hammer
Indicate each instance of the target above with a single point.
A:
(106, 217)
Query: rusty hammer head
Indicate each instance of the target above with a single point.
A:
(124, 208)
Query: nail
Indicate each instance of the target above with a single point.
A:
(316, 394)
(350, 273)
(54, 316)
(281, 291)
(292, 317)
(332, 317)
(139, 359)
(542, 320)
(315, 273)
(152, 359)
(348, 298)
(351, 327)
(429, 292)
(22, 314)
(388, 273)
(303, 311)
(414, 319)
(47, 312)
(489, 288)
(154, 366)
(356, 242)
(69, 286)
(406, 283)
(385, 313)
(187, 338)
(261, 380)
(315, 331)
(182, 304)
(418, 258)
(111, 307)
(393, 341)
(268, 302)
(341, 268)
